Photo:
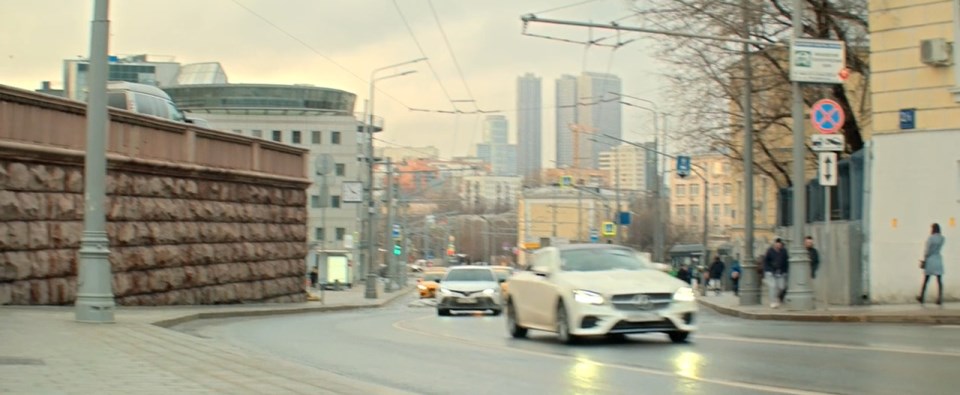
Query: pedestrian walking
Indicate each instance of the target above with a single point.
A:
(775, 268)
(814, 256)
(716, 274)
(684, 274)
(735, 270)
(932, 263)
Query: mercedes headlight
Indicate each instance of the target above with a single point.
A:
(684, 294)
(587, 297)
(489, 291)
(445, 291)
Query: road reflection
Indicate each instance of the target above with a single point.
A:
(688, 364)
(584, 375)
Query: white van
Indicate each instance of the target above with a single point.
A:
(146, 100)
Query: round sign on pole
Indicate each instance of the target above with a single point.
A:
(827, 116)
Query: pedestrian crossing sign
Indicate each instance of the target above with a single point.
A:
(609, 229)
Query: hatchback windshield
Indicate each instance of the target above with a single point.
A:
(597, 259)
(469, 275)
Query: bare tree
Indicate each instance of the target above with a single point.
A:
(644, 224)
(707, 79)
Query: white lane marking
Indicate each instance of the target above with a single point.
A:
(834, 346)
(486, 346)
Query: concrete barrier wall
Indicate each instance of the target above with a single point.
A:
(207, 230)
(838, 280)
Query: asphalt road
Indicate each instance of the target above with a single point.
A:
(407, 346)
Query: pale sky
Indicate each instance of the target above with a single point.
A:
(360, 35)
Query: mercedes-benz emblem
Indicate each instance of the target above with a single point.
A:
(642, 301)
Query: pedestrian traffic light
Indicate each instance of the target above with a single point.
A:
(396, 249)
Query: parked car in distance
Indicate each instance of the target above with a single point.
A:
(428, 284)
(147, 100)
(595, 290)
(470, 288)
(503, 274)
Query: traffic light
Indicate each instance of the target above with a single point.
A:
(396, 249)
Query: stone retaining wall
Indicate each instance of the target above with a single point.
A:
(178, 234)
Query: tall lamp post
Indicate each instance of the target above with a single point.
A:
(371, 286)
(95, 302)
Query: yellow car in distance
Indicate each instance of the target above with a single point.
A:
(502, 273)
(427, 285)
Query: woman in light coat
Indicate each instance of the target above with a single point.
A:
(932, 263)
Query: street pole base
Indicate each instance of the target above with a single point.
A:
(750, 297)
(799, 294)
(94, 310)
(371, 290)
(798, 301)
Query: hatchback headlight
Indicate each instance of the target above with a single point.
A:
(421, 286)
(684, 294)
(589, 297)
(489, 291)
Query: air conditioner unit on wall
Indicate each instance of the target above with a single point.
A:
(935, 52)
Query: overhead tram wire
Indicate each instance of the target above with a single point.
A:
(453, 56)
(423, 53)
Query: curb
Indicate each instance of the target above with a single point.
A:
(855, 318)
(267, 311)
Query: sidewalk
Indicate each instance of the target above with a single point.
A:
(44, 351)
(948, 314)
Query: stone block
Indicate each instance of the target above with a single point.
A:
(63, 207)
(60, 263)
(64, 234)
(14, 235)
(39, 235)
(59, 291)
(39, 292)
(173, 255)
(20, 292)
(185, 232)
(166, 210)
(73, 180)
(51, 178)
(15, 265)
(190, 189)
(9, 206)
(6, 291)
(32, 206)
(18, 177)
(122, 284)
(162, 232)
(39, 264)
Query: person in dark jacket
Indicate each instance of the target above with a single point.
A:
(684, 274)
(775, 269)
(814, 256)
(735, 271)
(716, 274)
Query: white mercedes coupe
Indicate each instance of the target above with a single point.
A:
(595, 290)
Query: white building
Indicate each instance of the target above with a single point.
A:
(496, 149)
(632, 162)
(141, 70)
(490, 192)
(401, 154)
(319, 119)
(529, 133)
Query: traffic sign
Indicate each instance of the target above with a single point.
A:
(397, 250)
(396, 231)
(683, 166)
(817, 61)
(566, 181)
(827, 142)
(624, 218)
(827, 116)
(609, 229)
(908, 118)
(594, 236)
(828, 169)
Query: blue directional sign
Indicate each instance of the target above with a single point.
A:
(683, 166)
(594, 236)
(396, 231)
(624, 218)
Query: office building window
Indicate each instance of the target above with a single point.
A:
(341, 169)
(727, 210)
(258, 133)
(716, 189)
(335, 201)
(295, 136)
(334, 137)
(681, 190)
(694, 212)
(315, 201)
(341, 233)
(727, 189)
(315, 137)
(681, 213)
(238, 131)
(716, 212)
(695, 190)
(318, 234)
(277, 135)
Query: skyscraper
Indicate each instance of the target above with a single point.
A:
(566, 112)
(496, 149)
(601, 114)
(529, 118)
(587, 102)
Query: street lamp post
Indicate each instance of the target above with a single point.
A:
(95, 302)
(371, 283)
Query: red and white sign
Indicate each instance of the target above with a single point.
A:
(827, 116)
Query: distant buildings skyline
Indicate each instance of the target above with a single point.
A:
(496, 149)
(529, 127)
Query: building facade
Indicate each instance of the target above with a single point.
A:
(497, 150)
(913, 163)
(140, 69)
(401, 154)
(693, 197)
(566, 117)
(319, 119)
(562, 215)
(529, 127)
(599, 112)
(498, 193)
(633, 162)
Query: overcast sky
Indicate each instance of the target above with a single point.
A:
(294, 41)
